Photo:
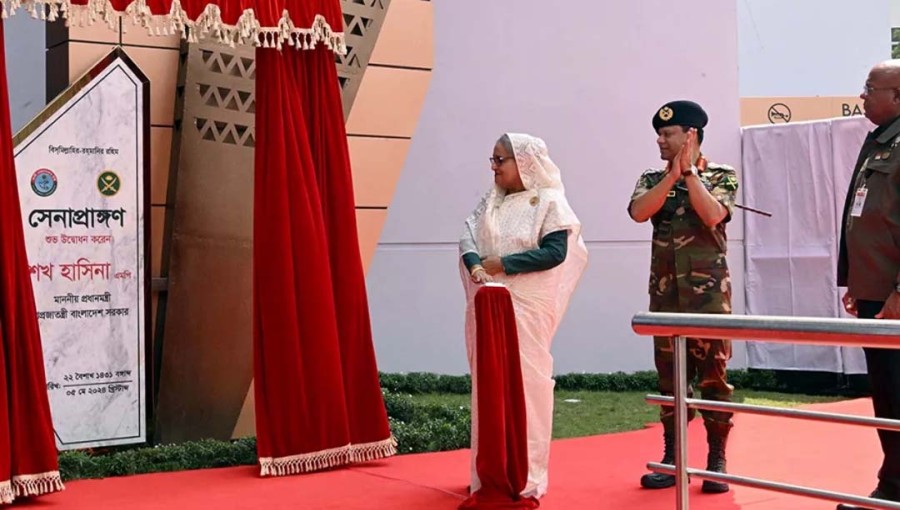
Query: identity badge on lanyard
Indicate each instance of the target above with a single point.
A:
(859, 201)
(859, 197)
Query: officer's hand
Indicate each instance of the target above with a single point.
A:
(492, 265)
(673, 173)
(891, 308)
(849, 303)
(674, 167)
(686, 154)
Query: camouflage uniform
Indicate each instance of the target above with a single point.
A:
(689, 273)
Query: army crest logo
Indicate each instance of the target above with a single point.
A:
(731, 183)
(108, 183)
(665, 113)
(43, 182)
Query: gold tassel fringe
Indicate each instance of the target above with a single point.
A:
(30, 485)
(316, 461)
(247, 31)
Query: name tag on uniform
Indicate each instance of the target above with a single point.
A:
(859, 201)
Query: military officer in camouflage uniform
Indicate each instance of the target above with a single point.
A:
(688, 202)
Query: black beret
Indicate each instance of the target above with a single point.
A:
(680, 113)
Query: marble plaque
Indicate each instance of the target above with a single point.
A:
(83, 181)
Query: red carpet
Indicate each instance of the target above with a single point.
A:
(599, 472)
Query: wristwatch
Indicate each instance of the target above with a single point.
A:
(692, 170)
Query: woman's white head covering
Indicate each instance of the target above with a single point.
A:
(536, 168)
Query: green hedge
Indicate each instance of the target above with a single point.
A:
(427, 427)
(417, 383)
(417, 428)
(206, 453)
(784, 381)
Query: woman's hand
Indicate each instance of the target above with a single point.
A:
(479, 275)
(493, 265)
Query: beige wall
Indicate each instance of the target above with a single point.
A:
(386, 111)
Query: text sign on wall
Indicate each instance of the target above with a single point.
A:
(782, 110)
(81, 173)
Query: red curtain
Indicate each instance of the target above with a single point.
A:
(328, 139)
(502, 462)
(28, 458)
(318, 402)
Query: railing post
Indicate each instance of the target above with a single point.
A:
(875, 333)
(679, 345)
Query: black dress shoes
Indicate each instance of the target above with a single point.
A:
(876, 494)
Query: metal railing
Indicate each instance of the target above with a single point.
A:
(797, 330)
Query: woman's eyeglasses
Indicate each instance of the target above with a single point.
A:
(498, 160)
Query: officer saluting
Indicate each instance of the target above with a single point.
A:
(689, 203)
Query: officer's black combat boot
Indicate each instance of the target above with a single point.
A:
(660, 480)
(877, 494)
(717, 437)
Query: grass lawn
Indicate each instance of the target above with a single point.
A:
(586, 413)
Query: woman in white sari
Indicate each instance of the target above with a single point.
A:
(524, 235)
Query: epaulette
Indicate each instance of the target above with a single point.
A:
(653, 171)
(719, 166)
